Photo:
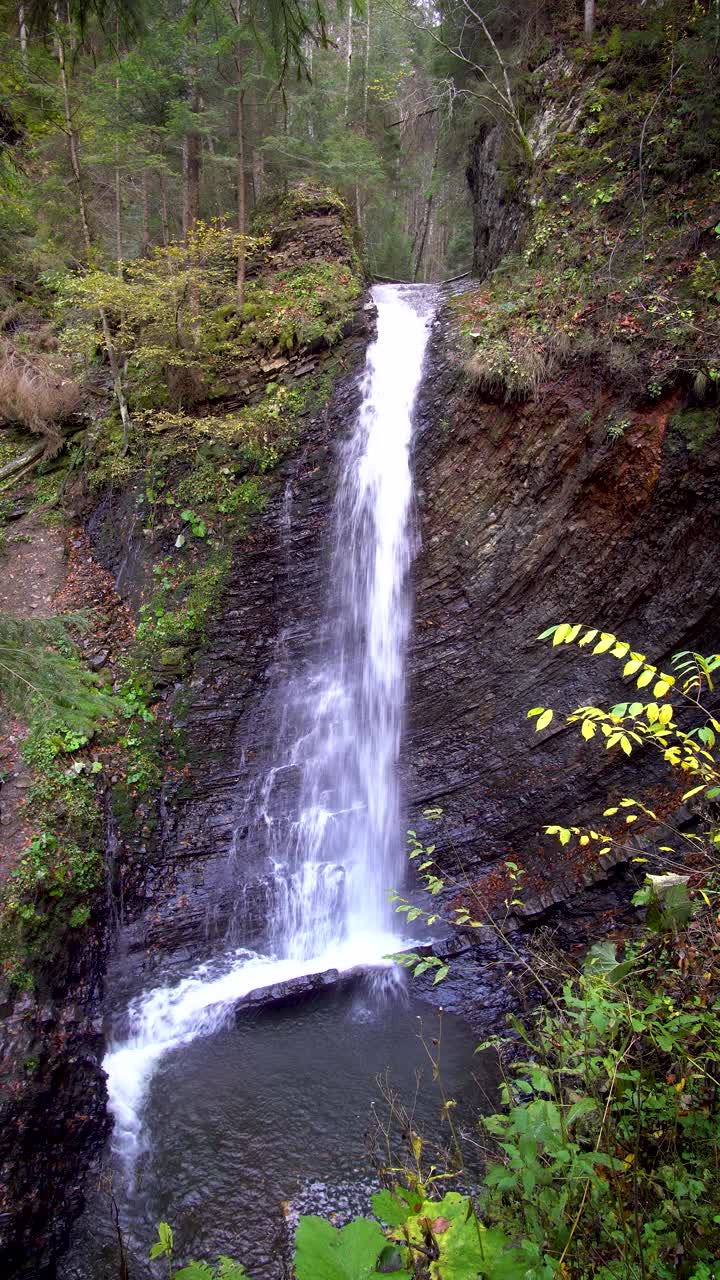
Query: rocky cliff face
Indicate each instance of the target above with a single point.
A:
(498, 206)
(52, 1111)
(530, 515)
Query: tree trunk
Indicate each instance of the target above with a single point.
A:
(164, 217)
(366, 76)
(258, 174)
(240, 143)
(191, 167)
(428, 211)
(34, 454)
(241, 214)
(23, 32)
(191, 149)
(118, 222)
(74, 154)
(145, 190)
(348, 59)
(118, 185)
(257, 171)
(286, 134)
(589, 18)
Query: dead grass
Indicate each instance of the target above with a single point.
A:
(508, 371)
(35, 395)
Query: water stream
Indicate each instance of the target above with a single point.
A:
(334, 854)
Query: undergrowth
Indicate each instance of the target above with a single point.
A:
(620, 271)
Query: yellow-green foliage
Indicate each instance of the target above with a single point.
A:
(163, 312)
(688, 749)
(300, 307)
(252, 439)
(175, 318)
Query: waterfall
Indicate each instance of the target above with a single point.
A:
(338, 849)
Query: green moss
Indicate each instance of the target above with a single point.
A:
(301, 307)
(52, 888)
(693, 429)
(280, 212)
(173, 624)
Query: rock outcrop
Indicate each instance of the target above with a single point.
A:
(496, 183)
(531, 515)
(52, 1113)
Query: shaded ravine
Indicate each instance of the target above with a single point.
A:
(327, 814)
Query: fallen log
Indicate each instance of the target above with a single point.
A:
(18, 464)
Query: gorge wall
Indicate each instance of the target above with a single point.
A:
(529, 515)
(566, 460)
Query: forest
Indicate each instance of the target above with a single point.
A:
(359, 639)
(196, 113)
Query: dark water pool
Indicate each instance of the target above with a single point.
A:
(270, 1117)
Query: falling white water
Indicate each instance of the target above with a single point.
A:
(337, 849)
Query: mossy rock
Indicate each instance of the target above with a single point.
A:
(170, 663)
(122, 809)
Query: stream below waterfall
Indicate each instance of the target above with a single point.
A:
(224, 1125)
(272, 1117)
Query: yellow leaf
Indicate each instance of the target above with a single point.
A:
(645, 678)
(544, 720)
(561, 632)
(605, 642)
(652, 711)
(588, 729)
(661, 688)
(632, 666)
(665, 713)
